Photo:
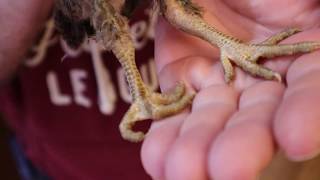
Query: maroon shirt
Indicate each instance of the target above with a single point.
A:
(66, 112)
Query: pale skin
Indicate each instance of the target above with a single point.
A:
(233, 131)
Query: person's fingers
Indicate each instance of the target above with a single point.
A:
(157, 143)
(187, 158)
(246, 146)
(184, 149)
(164, 153)
(298, 119)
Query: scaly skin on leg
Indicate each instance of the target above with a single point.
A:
(186, 15)
(113, 33)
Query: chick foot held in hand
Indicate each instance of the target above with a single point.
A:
(112, 31)
(78, 19)
(153, 105)
(187, 16)
(146, 104)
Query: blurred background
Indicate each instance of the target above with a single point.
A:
(8, 169)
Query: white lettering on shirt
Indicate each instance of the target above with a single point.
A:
(41, 48)
(57, 98)
(79, 87)
(106, 90)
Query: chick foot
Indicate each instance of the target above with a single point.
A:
(246, 55)
(187, 16)
(153, 106)
(113, 32)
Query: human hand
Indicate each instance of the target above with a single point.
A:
(233, 131)
(20, 22)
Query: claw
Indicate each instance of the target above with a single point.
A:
(168, 98)
(128, 121)
(275, 39)
(153, 106)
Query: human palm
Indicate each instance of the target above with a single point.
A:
(233, 130)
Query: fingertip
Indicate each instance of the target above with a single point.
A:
(296, 133)
(297, 120)
(187, 159)
(297, 147)
(241, 153)
(157, 143)
(151, 156)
